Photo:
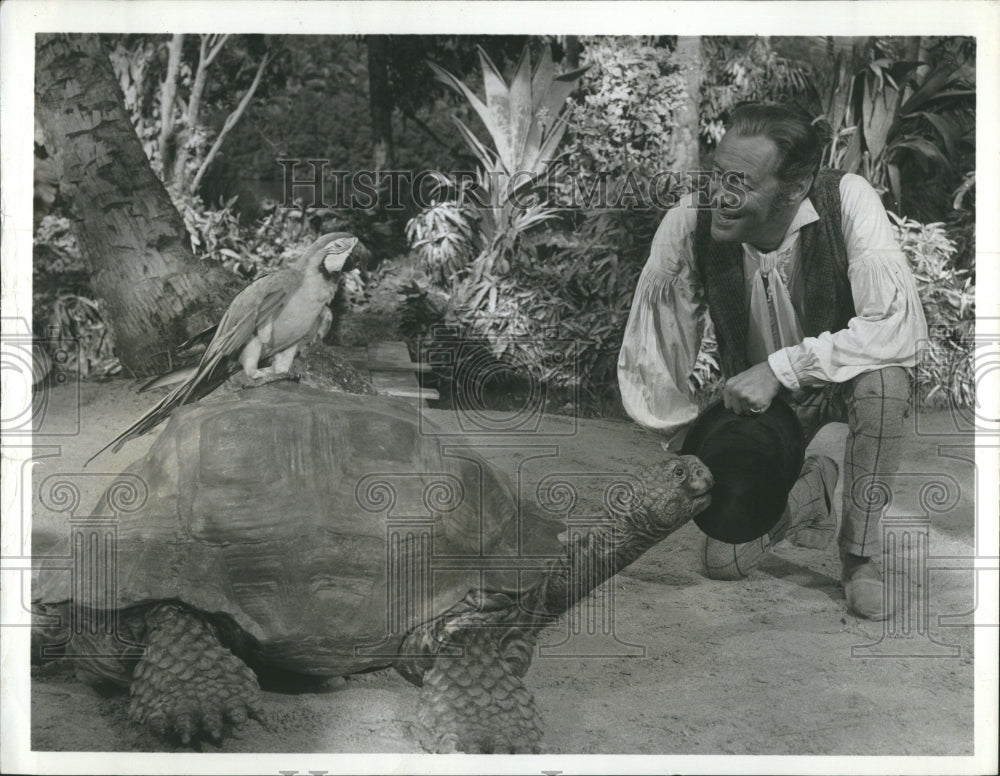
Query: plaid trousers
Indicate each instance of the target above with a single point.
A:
(874, 405)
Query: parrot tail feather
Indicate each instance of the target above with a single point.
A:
(201, 338)
(168, 379)
(148, 421)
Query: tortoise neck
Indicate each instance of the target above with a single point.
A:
(591, 558)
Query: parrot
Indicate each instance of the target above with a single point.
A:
(269, 319)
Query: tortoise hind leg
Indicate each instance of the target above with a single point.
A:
(477, 702)
(187, 683)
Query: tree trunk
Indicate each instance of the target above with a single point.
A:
(154, 293)
(380, 100)
(686, 134)
(572, 52)
(168, 93)
(179, 178)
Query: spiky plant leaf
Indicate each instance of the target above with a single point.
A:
(878, 114)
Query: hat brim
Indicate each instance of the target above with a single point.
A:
(754, 460)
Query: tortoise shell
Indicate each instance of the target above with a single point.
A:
(322, 525)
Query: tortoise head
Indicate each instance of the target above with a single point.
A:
(674, 489)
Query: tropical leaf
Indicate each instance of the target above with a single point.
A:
(541, 78)
(486, 158)
(878, 114)
(545, 154)
(525, 124)
(932, 87)
(840, 97)
(502, 111)
(561, 88)
(522, 108)
(895, 183)
(923, 147)
(454, 83)
(967, 184)
(851, 160)
(946, 128)
(952, 93)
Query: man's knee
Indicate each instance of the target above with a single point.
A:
(724, 561)
(879, 400)
(891, 382)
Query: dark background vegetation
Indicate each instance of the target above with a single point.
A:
(543, 295)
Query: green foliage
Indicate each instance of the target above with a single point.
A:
(554, 302)
(624, 116)
(945, 374)
(899, 124)
(63, 312)
(525, 123)
(742, 69)
(140, 64)
(541, 283)
(248, 250)
(445, 236)
(55, 251)
(134, 60)
(314, 106)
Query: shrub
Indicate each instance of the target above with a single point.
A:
(445, 237)
(63, 312)
(744, 69)
(624, 117)
(248, 250)
(945, 372)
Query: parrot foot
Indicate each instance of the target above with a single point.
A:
(265, 378)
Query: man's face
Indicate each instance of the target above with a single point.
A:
(762, 215)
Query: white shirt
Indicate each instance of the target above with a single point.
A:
(664, 330)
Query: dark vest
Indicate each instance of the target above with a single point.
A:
(827, 304)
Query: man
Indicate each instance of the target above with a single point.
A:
(812, 300)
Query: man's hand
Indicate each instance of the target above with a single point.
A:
(751, 391)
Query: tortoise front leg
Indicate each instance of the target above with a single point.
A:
(476, 702)
(188, 684)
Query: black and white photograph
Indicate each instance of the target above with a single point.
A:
(500, 387)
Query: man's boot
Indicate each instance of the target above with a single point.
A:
(863, 587)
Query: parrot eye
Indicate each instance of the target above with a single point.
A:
(679, 471)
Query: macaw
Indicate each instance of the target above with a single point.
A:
(269, 319)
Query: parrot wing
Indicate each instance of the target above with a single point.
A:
(253, 306)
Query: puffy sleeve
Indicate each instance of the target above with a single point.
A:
(663, 333)
(890, 319)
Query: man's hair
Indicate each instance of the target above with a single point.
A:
(789, 128)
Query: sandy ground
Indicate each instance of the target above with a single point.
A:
(769, 665)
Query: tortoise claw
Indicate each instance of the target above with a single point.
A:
(211, 723)
(185, 727)
(235, 713)
(187, 684)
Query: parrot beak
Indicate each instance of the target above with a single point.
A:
(334, 261)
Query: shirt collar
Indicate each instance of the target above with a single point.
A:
(806, 215)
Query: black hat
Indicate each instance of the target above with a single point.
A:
(755, 460)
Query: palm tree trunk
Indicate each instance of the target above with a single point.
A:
(380, 100)
(154, 293)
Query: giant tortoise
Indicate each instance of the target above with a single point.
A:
(295, 530)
